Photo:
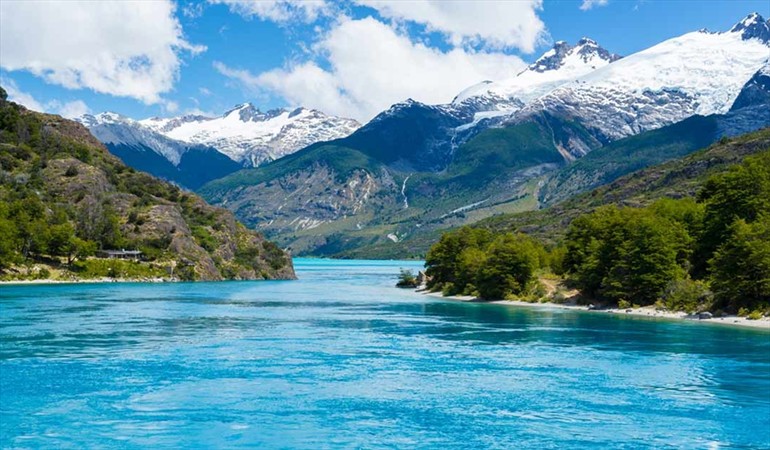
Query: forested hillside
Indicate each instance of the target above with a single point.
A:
(692, 234)
(64, 199)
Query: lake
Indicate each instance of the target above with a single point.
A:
(341, 358)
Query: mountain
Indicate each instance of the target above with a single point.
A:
(63, 196)
(605, 164)
(189, 165)
(561, 64)
(418, 137)
(509, 146)
(696, 73)
(192, 150)
(674, 178)
(677, 178)
(251, 137)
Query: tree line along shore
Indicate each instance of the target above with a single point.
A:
(709, 254)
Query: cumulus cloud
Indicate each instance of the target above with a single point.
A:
(370, 67)
(20, 97)
(280, 11)
(128, 49)
(69, 110)
(589, 4)
(495, 24)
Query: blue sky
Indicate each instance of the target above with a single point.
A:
(351, 58)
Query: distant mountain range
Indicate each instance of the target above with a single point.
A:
(576, 118)
(193, 149)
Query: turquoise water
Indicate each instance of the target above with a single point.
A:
(342, 359)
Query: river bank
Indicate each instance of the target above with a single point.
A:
(87, 281)
(645, 311)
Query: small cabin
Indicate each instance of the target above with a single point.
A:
(134, 255)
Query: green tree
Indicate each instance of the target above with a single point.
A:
(740, 268)
(61, 237)
(590, 250)
(743, 192)
(442, 261)
(647, 259)
(8, 242)
(79, 249)
(510, 266)
(470, 262)
(626, 254)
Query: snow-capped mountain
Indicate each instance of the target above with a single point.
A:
(189, 165)
(414, 135)
(113, 129)
(562, 63)
(697, 73)
(250, 136)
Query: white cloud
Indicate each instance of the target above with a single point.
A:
(371, 67)
(280, 11)
(588, 4)
(20, 97)
(69, 110)
(494, 23)
(128, 49)
(170, 106)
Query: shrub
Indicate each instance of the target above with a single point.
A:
(624, 304)
(406, 279)
(71, 171)
(204, 238)
(686, 295)
(559, 297)
(755, 315)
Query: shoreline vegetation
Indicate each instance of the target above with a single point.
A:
(706, 257)
(651, 312)
(86, 281)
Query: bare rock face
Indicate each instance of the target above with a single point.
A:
(194, 256)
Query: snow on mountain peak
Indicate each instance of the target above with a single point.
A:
(586, 50)
(250, 136)
(558, 65)
(753, 26)
(113, 128)
(247, 112)
(696, 73)
(106, 117)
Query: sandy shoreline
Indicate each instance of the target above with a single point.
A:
(646, 311)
